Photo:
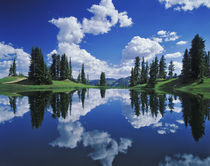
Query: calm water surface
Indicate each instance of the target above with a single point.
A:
(104, 128)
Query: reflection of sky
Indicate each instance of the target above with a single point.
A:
(7, 114)
(185, 160)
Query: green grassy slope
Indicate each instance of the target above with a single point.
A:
(25, 86)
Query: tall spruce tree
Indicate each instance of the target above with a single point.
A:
(137, 71)
(143, 69)
(146, 73)
(79, 78)
(58, 67)
(186, 67)
(53, 67)
(14, 68)
(152, 74)
(64, 67)
(156, 67)
(171, 69)
(132, 78)
(197, 53)
(102, 79)
(31, 74)
(162, 68)
(70, 70)
(83, 79)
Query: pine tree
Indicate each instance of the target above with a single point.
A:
(152, 74)
(171, 69)
(14, 73)
(31, 74)
(79, 78)
(102, 79)
(58, 67)
(132, 78)
(53, 67)
(146, 73)
(70, 70)
(197, 57)
(186, 67)
(143, 68)
(83, 79)
(156, 67)
(64, 68)
(137, 71)
(10, 70)
(162, 68)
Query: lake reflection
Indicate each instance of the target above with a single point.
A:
(110, 127)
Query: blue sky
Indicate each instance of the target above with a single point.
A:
(108, 40)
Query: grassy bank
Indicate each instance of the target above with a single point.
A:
(8, 88)
(175, 85)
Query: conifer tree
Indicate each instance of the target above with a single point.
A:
(143, 69)
(14, 73)
(152, 74)
(146, 73)
(132, 78)
(79, 78)
(102, 79)
(83, 79)
(70, 70)
(58, 67)
(53, 67)
(186, 67)
(171, 69)
(64, 68)
(31, 74)
(197, 53)
(162, 68)
(156, 67)
(10, 70)
(137, 71)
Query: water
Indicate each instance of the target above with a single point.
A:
(104, 128)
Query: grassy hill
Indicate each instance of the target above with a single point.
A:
(175, 85)
(13, 85)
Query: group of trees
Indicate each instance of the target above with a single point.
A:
(61, 69)
(12, 69)
(150, 73)
(195, 62)
(38, 71)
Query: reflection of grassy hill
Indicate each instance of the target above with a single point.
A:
(8, 87)
(163, 86)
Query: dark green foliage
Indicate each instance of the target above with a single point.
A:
(102, 92)
(102, 79)
(12, 69)
(197, 53)
(162, 68)
(70, 71)
(83, 79)
(58, 67)
(64, 68)
(156, 67)
(38, 71)
(171, 69)
(137, 71)
(132, 81)
(79, 78)
(152, 74)
(186, 67)
(144, 72)
(53, 68)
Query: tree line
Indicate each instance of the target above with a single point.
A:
(196, 66)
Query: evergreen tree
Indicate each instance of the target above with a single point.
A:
(132, 78)
(64, 68)
(83, 79)
(79, 78)
(152, 74)
(143, 70)
(102, 79)
(137, 71)
(146, 73)
(14, 73)
(53, 67)
(58, 67)
(162, 68)
(171, 69)
(38, 71)
(156, 67)
(197, 57)
(186, 67)
(70, 70)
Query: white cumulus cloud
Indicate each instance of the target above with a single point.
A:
(185, 4)
(181, 43)
(142, 47)
(168, 36)
(173, 55)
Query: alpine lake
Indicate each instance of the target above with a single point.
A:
(114, 127)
